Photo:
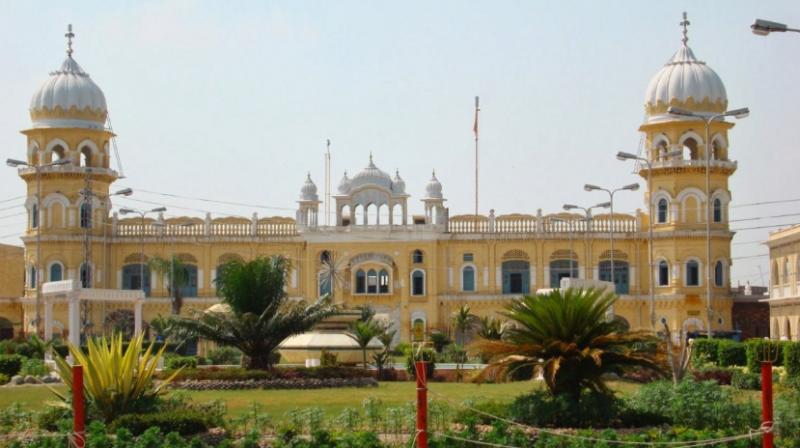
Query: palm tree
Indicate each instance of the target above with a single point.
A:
(491, 328)
(363, 332)
(177, 275)
(260, 314)
(567, 335)
(463, 321)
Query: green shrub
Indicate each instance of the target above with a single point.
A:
(225, 355)
(4, 379)
(591, 410)
(699, 405)
(328, 359)
(53, 418)
(731, 353)
(429, 356)
(177, 362)
(720, 375)
(787, 419)
(791, 358)
(185, 423)
(704, 351)
(759, 349)
(747, 381)
(34, 367)
(237, 373)
(10, 364)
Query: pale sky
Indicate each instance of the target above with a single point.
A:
(233, 101)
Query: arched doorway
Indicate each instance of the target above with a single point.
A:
(6, 329)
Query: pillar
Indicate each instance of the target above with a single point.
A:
(137, 319)
(48, 319)
(74, 318)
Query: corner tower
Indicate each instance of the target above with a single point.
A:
(686, 144)
(68, 174)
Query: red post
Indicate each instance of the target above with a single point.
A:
(78, 411)
(422, 406)
(766, 402)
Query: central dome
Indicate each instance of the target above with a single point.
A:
(69, 98)
(371, 175)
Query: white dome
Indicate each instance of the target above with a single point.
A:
(398, 184)
(371, 175)
(309, 190)
(684, 77)
(434, 188)
(67, 88)
(344, 184)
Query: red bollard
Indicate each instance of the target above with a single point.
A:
(422, 406)
(766, 403)
(78, 411)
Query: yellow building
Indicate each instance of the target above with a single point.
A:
(12, 272)
(784, 284)
(415, 269)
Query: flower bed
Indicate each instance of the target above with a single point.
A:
(279, 383)
(278, 373)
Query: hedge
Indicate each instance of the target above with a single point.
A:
(185, 423)
(238, 374)
(705, 350)
(177, 362)
(757, 349)
(10, 364)
(731, 353)
(791, 358)
(748, 381)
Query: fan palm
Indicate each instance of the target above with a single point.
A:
(464, 321)
(567, 335)
(261, 315)
(177, 275)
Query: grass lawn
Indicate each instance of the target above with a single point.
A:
(277, 402)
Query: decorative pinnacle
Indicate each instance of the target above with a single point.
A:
(69, 37)
(685, 24)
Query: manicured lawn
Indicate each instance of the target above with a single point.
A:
(278, 402)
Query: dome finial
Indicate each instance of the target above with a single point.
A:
(685, 24)
(69, 37)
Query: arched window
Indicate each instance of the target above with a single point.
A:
(383, 282)
(86, 215)
(190, 288)
(132, 277)
(361, 282)
(786, 271)
(86, 276)
(418, 283)
(32, 277)
(691, 145)
(58, 150)
(86, 156)
(663, 273)
(719, 276)
(621, 275)
(663, 211)
(35, 216)
(417, 257)
(372, 282)
(516, 277)
(717, 210)
(468, 279)
(56, 272)
(692, 273)
(324, 257)
(324, 284)
(562, 269)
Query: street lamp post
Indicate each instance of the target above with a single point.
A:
(763, 27)
(623, 156)
(13, 163)
(588, 213)
(631, 187)
(142, 214)
(707, 118)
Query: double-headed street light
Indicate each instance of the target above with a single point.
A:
(763, 27)
(707, 118)
(624, 156)
(13, 163)
(588, 219)
(630, 187)
(142, 214)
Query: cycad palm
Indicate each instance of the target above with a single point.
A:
(566, 333)
(261, 315)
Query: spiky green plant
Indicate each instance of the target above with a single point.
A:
(567, 335)
(463, 321)
(115, 381)
(363, 332)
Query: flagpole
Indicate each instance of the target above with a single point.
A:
(328, 182)
(475, 130)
